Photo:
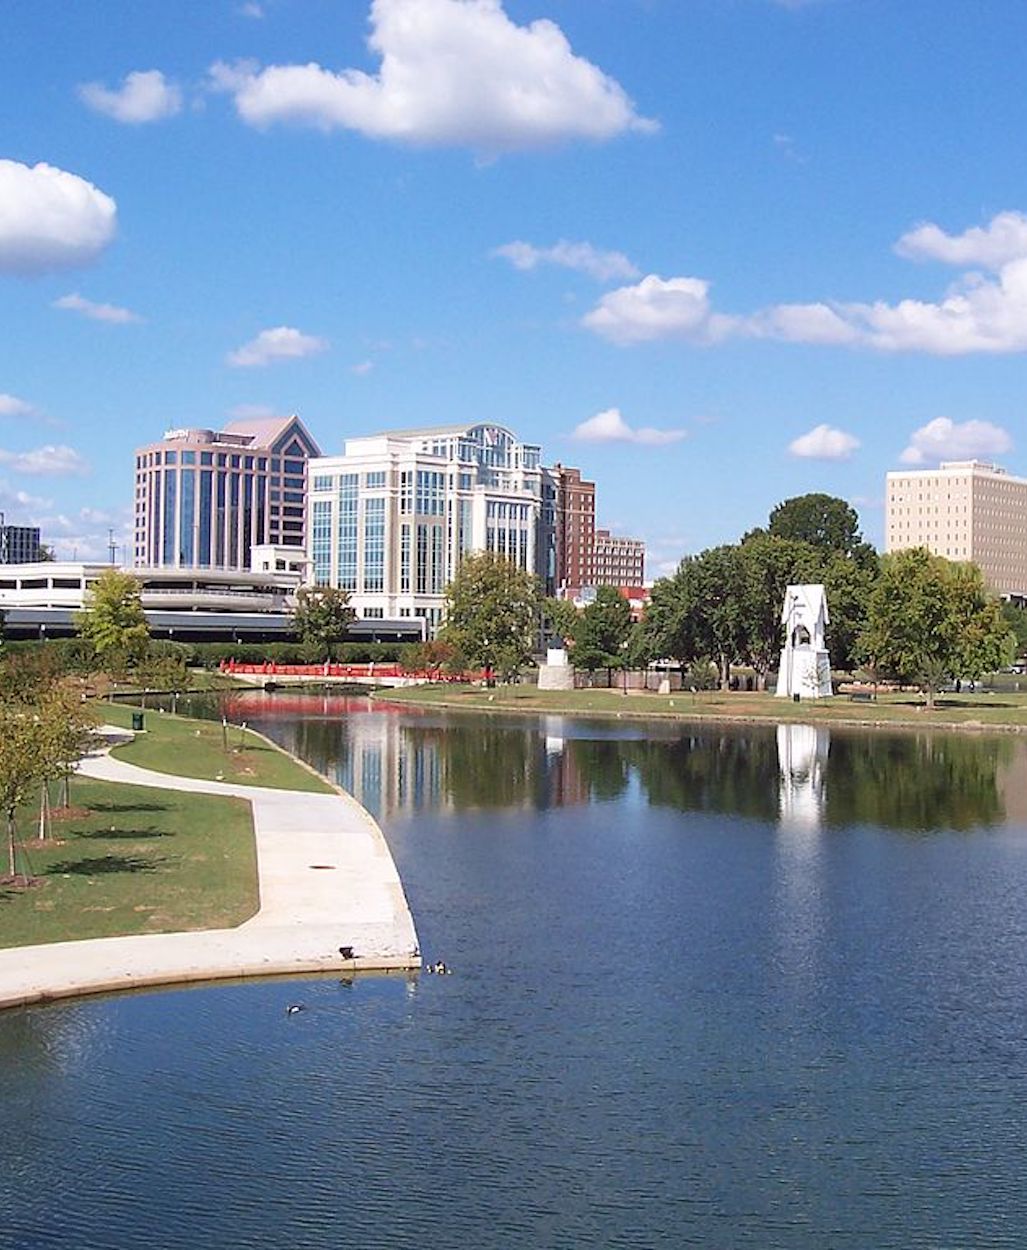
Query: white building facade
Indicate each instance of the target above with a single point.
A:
(963, 510)
(392, 517)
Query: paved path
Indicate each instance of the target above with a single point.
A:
(327, 880)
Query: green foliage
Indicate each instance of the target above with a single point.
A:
(113, 620)
(323, 616)
(491, 613)
(1015, 618)
(930, 619)
(823, 521)
(601, 631)
(559, 618)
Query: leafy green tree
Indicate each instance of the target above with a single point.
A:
(322, 618)
(67, 725)
(766, 566)
(1016, 618)
(601, 631)
(823, 521)
(930, 619)
(113, 620)
(492, 608)
(559, 618)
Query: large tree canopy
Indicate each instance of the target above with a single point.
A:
(492, 609)
(823, 521)
(930, 619)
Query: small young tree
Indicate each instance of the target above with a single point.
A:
(322, 618)
(113, 620)
(67, 726)
(491, 612)
(23, 763)
(602, 630)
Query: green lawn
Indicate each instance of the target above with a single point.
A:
(129, 859)
(195, 748)
(953, 711)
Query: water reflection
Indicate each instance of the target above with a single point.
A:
(399, 759)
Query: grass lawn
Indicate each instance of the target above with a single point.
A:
(951, 711)
(129, 859)
(195, 748)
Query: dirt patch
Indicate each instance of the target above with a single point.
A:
(69, 813)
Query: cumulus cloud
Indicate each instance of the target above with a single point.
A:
(980, 312)
(452, 73)
(12, 406)
(96, 312)
(279, 343)
(658, 308)
(18, 505)
(48, 461)
(363, 368)
(50, 219)
(824, 442)
(144, 96)
(609, 426)
(1003, 239)
(945, 439)
(583, 257)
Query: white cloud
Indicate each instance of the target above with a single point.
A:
(96, 312)
(978, 313)
(18, 505)
(50, 219)
(144, 96)
(251, 9)
(610, 427)
(1003, 239)
(452, 73)
(53, 461)
(944, 439)
(12, 406)
(363, 368)
(657, 308)
(280, 343)
(603, 266)
(824, 442)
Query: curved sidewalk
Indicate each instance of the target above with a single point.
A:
(326, 879)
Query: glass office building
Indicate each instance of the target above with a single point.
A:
(205, 498)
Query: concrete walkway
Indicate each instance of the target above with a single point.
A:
(327, 880)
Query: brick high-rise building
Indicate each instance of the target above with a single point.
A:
(575, 529)
(618, 561)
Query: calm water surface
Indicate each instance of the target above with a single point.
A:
(716, 989)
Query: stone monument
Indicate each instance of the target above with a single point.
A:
(556, 673)
(805, 669)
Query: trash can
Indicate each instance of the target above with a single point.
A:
(137, 722)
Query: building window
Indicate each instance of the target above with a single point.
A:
(374, 544)
(346, 567)
(321, 541)
(376, 480)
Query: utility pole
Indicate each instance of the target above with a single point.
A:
(112, 548)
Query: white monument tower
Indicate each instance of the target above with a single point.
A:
(805, 670)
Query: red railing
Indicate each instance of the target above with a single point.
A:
(363, 671)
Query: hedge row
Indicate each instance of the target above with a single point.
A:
(75, 655)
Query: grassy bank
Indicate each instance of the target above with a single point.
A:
(1000, 711)
(129, 859)
(196, 748)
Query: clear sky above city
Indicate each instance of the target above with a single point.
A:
(714, 252)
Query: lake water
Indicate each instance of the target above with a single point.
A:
(714, 988)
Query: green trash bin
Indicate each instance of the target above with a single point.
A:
(137, 722)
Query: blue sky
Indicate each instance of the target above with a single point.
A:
(714, 252)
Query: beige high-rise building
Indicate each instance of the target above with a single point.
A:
(963, 510)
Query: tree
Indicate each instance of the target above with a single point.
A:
(1016, 618)
(929, 619)
(823, 521)
(113, 620)
(22, 767)
(559, 618)
(67, 731)
(766, 566)
(491, 610)
(322, 618)
(601, 631)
